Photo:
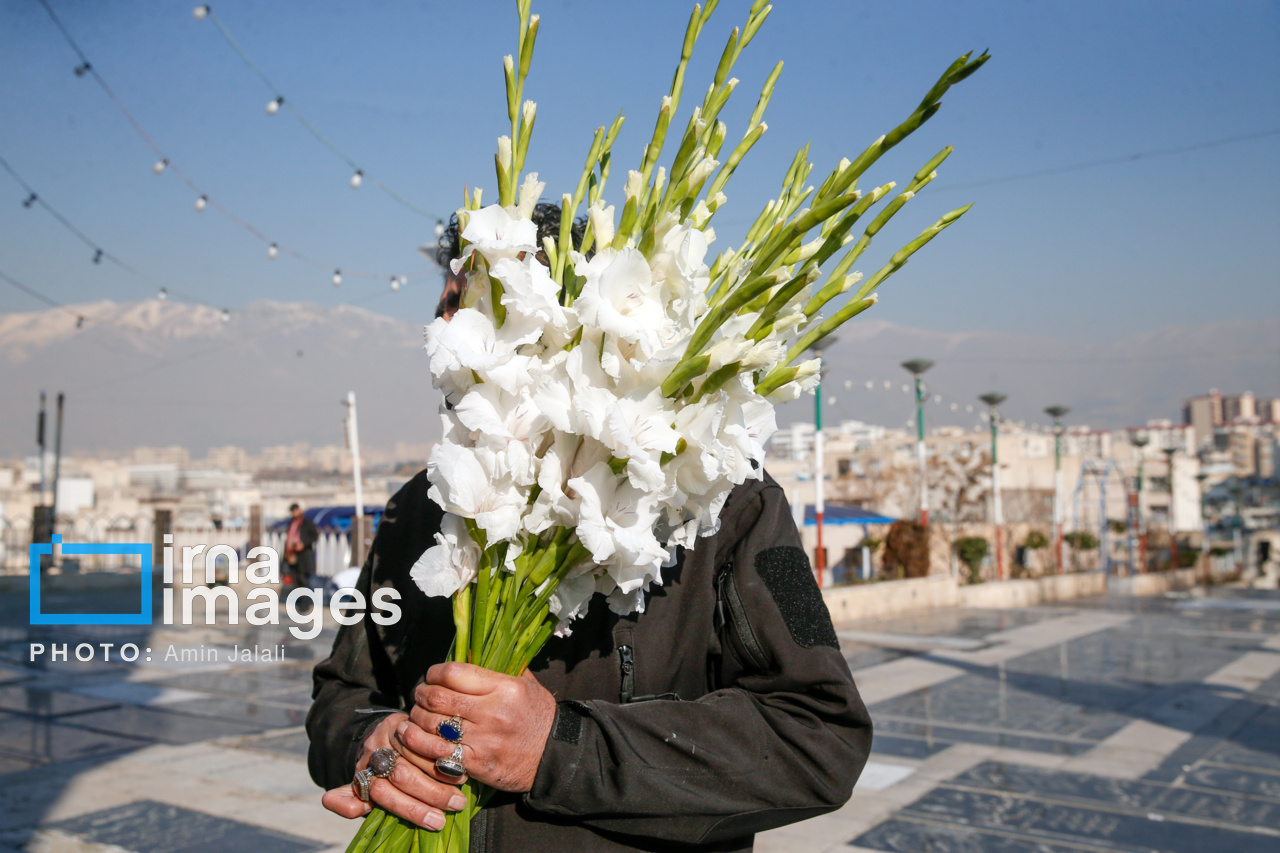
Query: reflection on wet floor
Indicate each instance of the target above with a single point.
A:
(1180, 700)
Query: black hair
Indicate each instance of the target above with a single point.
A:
(545, 215)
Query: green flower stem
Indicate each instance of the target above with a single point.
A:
(851, 309)
(902, 255)
(368, 830)
(462, 623)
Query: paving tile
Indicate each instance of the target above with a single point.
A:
(904, 835)
(234, 682)
(1254, 783)
(1140, 797)
(151, 827)
(1033, 817)
(160, 725)
(250, 712)
(27, 699)
(294, 744)
(35, 741)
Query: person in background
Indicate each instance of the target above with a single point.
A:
(299, 548)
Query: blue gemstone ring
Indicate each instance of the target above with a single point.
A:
(450, 729)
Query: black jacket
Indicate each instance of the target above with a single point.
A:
(723, 710)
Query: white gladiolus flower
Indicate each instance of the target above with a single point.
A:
(461, 485)
(616, 525)
(495, 233)
(619, 297)
(451, 563)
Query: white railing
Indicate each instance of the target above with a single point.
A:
(333, 551)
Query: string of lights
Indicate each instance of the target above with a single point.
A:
(203, 200)
(278, 100)
(100, 254)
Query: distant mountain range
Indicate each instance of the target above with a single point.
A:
(160, 373)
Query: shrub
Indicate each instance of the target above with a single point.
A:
(1035, 541)
(906, 549)
(1081, 540)
(972, 550)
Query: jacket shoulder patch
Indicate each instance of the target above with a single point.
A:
(786, 574)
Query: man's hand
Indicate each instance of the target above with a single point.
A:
(505, 722)
(414, 791)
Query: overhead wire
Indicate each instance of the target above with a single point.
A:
(100, 253)
(359, 174)
(203, 200)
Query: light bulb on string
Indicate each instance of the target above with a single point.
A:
(887, 385)
(30, 200)
(439, 228)
(954, 406)
(357, 179)
(937, 398)
(163, 294)
(226, 316)
(395, 283)
(274, 106)
(83, 69)
(161, 165)
(870, 385)
(272, 251)
(200, 12)
(97, 256)
(202, 203)
(848, 383)
(337, 278)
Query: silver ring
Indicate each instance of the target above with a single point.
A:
(361, 783)
(382, 763)
(450, 729)
(452, 766)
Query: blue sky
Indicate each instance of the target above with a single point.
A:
(413, 91)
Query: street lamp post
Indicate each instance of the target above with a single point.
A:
(916, 367)
(819, 466)
(1173, 530)
(1204, 529)
(1139, 440)
(993, 400)
(1056, 412)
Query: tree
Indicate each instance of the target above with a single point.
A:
(906, 548)
(972, 550)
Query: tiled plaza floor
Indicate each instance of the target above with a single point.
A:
(1124, 724)
(1116, 724)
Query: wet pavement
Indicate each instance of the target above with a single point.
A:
(1110, 724)
(1120, 724)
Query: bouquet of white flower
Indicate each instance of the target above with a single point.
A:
(605, 398)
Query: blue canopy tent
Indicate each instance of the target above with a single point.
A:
(844, 514)
(333, 518)
(840, 514)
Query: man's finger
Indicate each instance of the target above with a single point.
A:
(430, 746)
(464, 678)
(343, 801)
(444, 700)
(402, 805)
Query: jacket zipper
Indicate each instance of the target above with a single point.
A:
(729, 607)
(627, 665)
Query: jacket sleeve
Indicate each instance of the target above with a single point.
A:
(350, 696)
(374, 668)
(783, 740)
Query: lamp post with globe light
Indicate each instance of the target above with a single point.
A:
(819, 466)
(1139, 440)
(916, 367)
(994, 399)
(1173, 530)
(1057, 412)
